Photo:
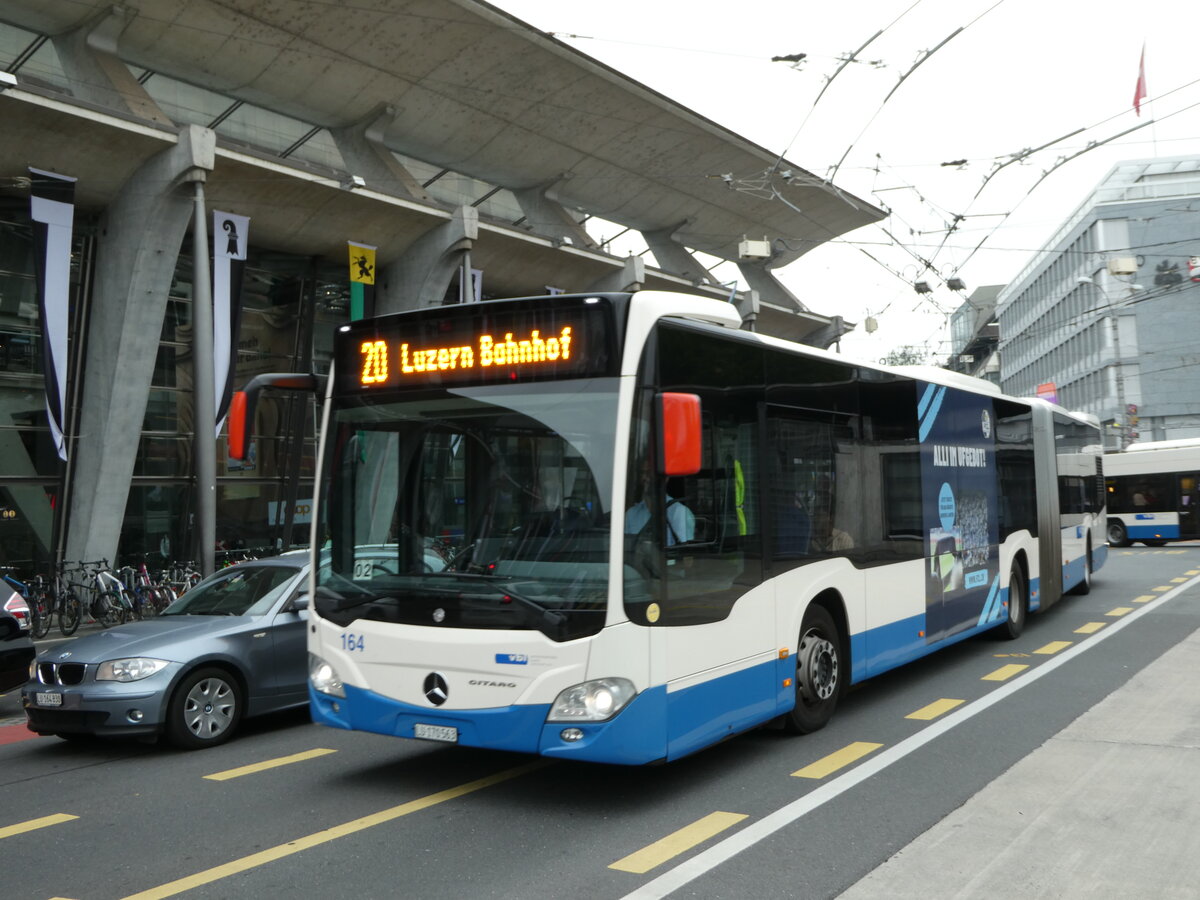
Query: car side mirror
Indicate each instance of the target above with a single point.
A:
(300, 601)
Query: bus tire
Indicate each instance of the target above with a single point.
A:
(1085, 587)
(1117, 535)
(1018, 606)
(820, 672)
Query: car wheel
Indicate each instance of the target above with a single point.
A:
(820, 672)
(204, 710)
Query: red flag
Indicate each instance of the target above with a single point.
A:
(1139, 92)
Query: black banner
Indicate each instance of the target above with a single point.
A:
(230, 238)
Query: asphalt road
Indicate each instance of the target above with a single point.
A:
(324, 813)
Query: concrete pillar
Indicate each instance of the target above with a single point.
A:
(421, 276)
(365, 153)
(630, 277)
(827, 335)
(547, 217)
(136, 256)
(89, 58)
(673, 257)
(760, 279)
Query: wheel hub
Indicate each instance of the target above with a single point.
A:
(817, 668)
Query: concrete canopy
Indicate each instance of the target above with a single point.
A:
(480, 92)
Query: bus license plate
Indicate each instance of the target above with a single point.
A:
(436, 733)
(49, 699)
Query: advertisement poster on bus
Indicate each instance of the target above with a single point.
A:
(958, 476)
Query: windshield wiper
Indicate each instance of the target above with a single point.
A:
(550, 622)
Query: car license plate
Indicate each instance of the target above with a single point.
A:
(49, 699)
(436, 733)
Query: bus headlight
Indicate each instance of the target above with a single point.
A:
(592, 701)
(324, 678)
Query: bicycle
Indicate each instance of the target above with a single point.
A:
(148, 595)
(181, 577)
(35, 598)
(108, 602)
(66, 601)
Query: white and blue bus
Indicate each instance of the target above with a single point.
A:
(1153, 492)
(651, 529)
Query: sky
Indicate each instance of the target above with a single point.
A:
(1019, 75)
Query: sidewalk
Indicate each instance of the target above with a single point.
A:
(1109, 807)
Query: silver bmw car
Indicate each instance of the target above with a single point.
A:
(231, 647)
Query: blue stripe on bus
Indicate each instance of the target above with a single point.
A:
(931, 415)
(1162, 531)
(656, 725)
(930, 390)
(513, 728)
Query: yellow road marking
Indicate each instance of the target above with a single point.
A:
(1161, 588)
(268, 764)
(1178, 580)
(678, 842)
(935, 709)
(1119, 611)
(834, 761)
(329, 834)
(1145, 598)
(1192, 572)
(1090, 628)
(1005, 672)
(1176, 551)
(35, 824)
(1053, 647)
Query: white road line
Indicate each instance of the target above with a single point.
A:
(709, 859)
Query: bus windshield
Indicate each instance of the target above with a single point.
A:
(472, 507)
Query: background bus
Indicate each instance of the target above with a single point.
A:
(658, 529)
(1153, 491)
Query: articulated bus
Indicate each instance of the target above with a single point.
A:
(1153, 491)
(620, 528)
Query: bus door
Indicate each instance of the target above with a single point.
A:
(719, 639)
(1189, 498)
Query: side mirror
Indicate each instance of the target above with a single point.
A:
(679, 434)
(300, 601)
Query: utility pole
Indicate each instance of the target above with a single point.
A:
(203, 387)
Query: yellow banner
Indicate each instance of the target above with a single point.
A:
(362, 263)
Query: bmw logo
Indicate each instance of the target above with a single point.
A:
(436, 689)
(65, 655)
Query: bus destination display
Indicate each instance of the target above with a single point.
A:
(460, 348)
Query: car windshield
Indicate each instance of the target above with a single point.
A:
(480, 507)
(242, 590)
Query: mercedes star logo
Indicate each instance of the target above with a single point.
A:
(436, 689)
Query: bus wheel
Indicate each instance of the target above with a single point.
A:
(1116, 535)
(1018, 606)
(819, 672)
(1085, 586)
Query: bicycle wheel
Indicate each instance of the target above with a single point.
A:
(41, 611)
(108, 610)
(68, 613)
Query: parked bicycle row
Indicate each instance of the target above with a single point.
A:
(93, 591)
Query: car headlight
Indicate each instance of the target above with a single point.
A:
(592, 701)
(323, 677)
(133, 669)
